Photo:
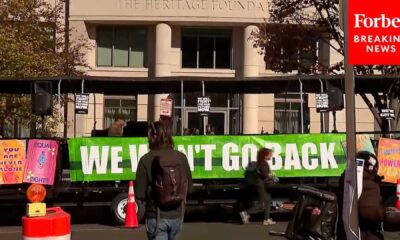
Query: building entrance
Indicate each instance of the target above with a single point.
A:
(216, 120)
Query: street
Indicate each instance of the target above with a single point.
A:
(192, 231)
(93, 223)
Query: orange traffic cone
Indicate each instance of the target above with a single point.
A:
(398, 194)
(131, 220)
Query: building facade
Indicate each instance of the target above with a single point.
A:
(202, 38)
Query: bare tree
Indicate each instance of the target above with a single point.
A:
(291, 29)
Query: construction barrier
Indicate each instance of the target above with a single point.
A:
(56, 225)
(131, 220)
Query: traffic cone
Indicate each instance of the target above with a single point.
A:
(398, 194)
(131, 220)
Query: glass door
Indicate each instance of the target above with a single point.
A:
(215, 122)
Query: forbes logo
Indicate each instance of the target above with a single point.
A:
(361, 21)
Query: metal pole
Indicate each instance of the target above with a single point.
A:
(83, 86)
(322, 113)
(59, 99)
(350, 201)
(228, 115)
(182, 107)
(301, 106)
(94, 111)
(59, 93)
(74, 116)
(203, 93)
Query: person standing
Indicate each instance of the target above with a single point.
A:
(371, 211)
(264, 177)
(117, 127)
(164, 212)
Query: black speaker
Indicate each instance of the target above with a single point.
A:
(136, 129)
(42, 100)
(335, 98)
(100, 133)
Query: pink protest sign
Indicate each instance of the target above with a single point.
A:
(41, 161)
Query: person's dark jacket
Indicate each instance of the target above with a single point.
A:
(264, 171)
(144, 181)
(370, 208)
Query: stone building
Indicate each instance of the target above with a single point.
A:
(192, 38)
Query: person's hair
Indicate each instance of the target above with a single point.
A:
(262, 153)
(160, 135)
(119, 117)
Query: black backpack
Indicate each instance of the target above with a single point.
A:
(170, 183)
(251, 173)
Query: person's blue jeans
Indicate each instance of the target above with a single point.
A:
(168, 229)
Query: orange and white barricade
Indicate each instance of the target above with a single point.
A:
(56, 225)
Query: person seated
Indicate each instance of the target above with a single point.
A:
(117, 127)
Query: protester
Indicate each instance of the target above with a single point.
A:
(210, 130)
(117, 127)
(186, 131)
(164, 209)
(196, 131)
(263, 177)
(370, 207)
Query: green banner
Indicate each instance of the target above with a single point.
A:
(295, 155)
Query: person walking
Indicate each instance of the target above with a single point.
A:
(163, 179)
(264, 177)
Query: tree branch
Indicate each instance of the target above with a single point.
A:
(373, 109)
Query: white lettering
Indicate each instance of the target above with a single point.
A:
(229, 162)
(115, 159)
(91, 159)
(305, 160)
(292, 157)
(327, 157)
(249, 154)
(376, 22)
(208, 149)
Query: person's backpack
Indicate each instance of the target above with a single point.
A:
(170, 182)
(251, 173)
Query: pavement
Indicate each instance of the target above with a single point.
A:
(191, 231)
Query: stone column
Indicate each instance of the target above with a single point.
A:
(250, 69)
(162, 60)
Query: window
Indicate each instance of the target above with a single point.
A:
(291, 59)
(203, 48)
(288, 113)
(114, 106)
(121, 47)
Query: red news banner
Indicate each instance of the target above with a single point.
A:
(374, 32)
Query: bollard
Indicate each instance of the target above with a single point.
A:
(56, 225)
